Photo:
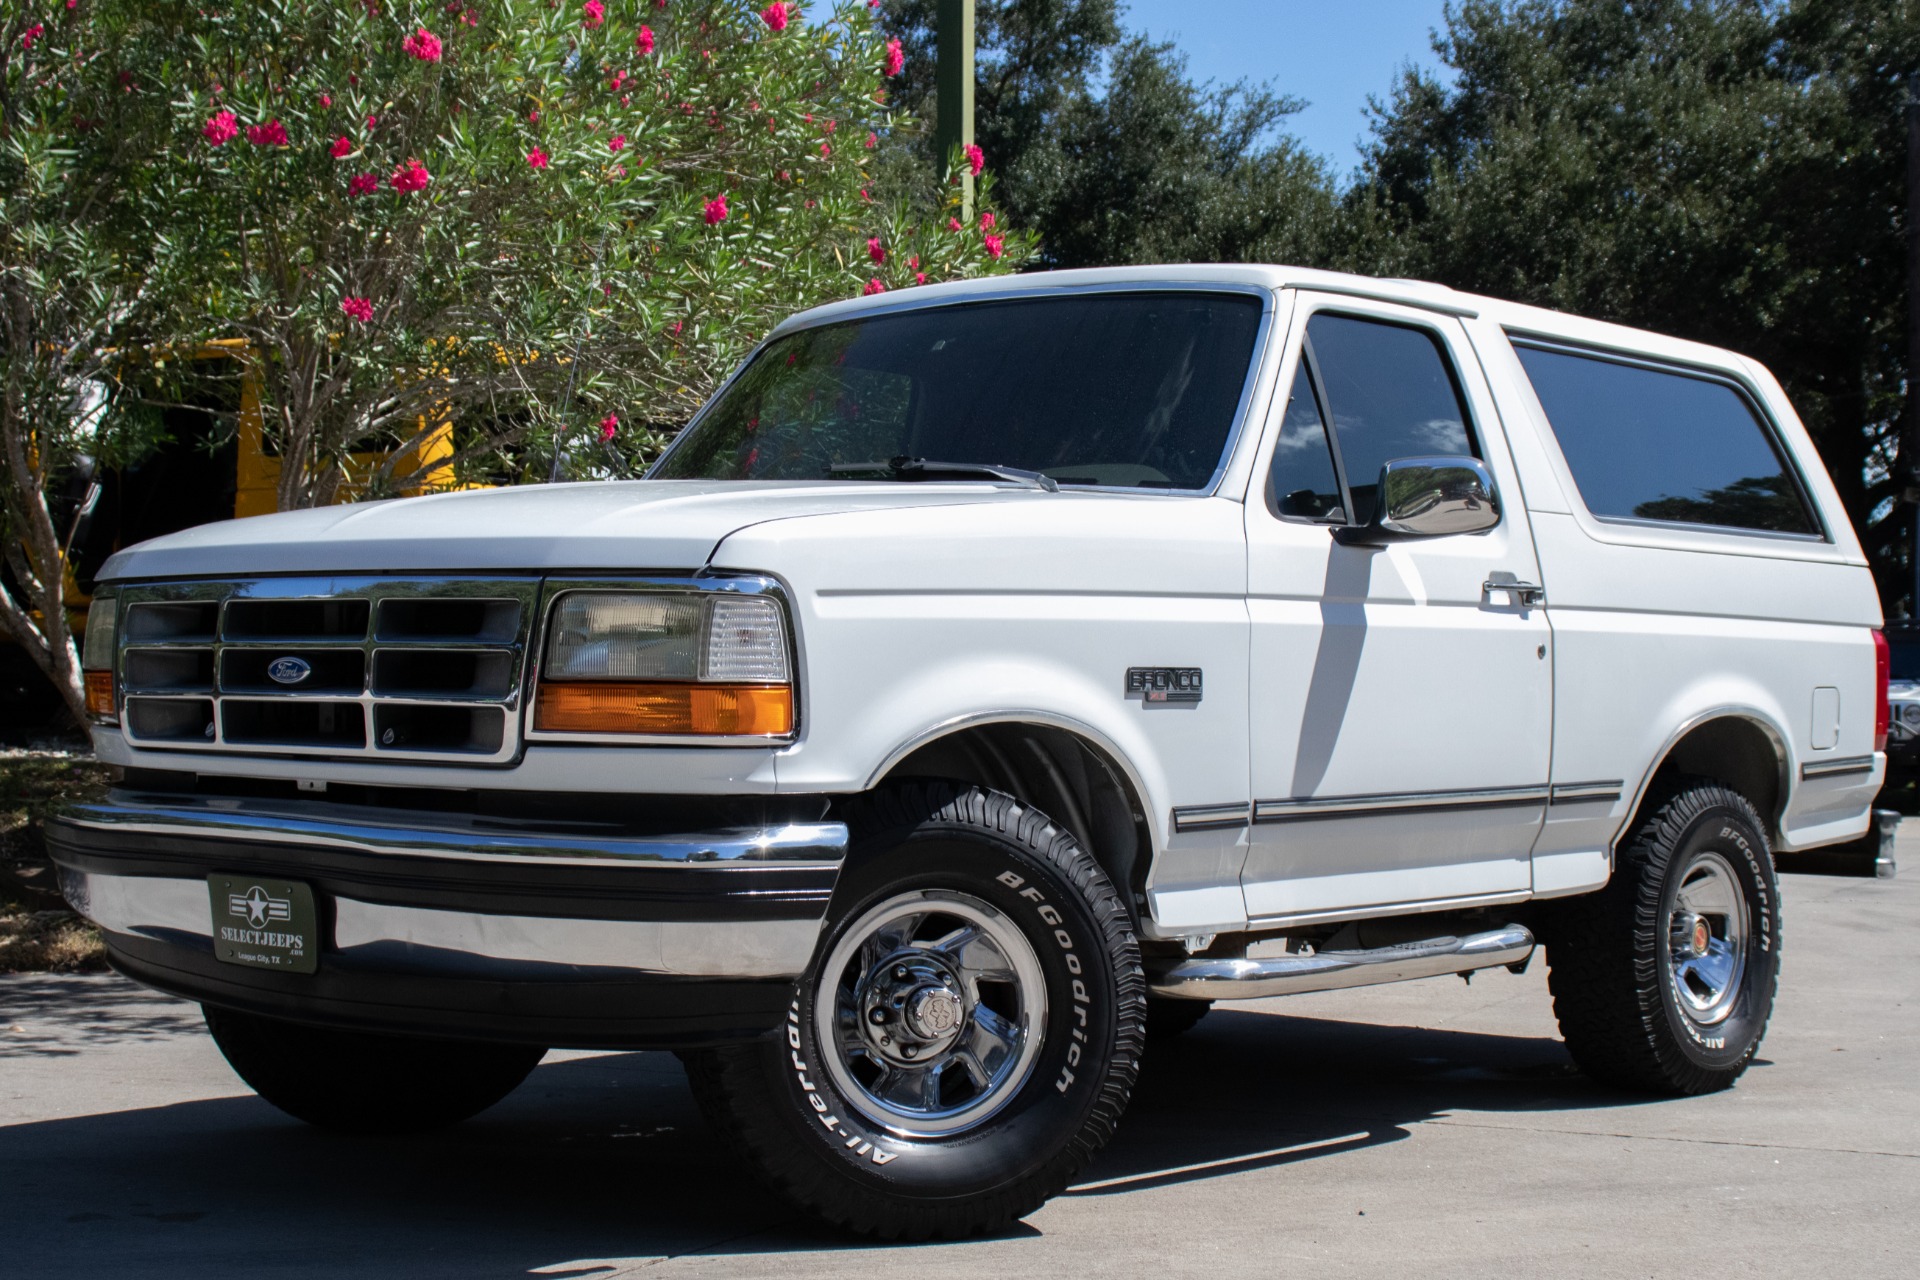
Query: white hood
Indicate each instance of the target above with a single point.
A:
(626, 525)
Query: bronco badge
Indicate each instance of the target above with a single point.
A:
(1164, 684)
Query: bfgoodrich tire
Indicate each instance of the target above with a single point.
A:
(359, 1083)
(1664, 980)
(966, 1037)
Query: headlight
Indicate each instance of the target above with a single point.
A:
(1911, 713)
(96, 660)
(665, 662)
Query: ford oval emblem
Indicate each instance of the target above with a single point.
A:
(289, 670)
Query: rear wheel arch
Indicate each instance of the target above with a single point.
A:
(1735, 746)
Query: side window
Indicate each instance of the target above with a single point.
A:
(1302, 483)
(1391, 392)
(1656, 444)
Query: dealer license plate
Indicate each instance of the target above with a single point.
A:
(265, 924)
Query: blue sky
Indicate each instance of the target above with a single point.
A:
(1331, 52)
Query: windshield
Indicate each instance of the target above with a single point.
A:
(1136, 390)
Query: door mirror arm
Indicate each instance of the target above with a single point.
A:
(1426, 498)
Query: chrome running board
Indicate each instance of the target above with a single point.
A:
(1233, 978)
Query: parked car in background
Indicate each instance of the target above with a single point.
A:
(991, 674)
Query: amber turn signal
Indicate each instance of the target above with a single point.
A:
(596, 706)
(100, 694)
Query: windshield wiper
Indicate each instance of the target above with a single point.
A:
(904, 468)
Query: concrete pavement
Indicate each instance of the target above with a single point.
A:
(1431, 1129)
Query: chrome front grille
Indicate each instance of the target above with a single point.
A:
(406, 667)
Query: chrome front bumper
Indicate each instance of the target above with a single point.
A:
(426, 914)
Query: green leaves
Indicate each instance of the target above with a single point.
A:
(538, 295)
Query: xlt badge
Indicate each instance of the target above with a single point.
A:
(1164, 684)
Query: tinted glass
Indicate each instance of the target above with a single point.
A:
(1302, 480)
(1135, 390)
(1392, 395)
(1651, 445)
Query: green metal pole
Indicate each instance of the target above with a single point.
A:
(953, 100)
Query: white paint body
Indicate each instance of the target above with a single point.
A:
(1330, 671)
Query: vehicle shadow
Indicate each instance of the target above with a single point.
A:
(606, 1158)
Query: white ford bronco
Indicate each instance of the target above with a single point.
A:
(991, 676)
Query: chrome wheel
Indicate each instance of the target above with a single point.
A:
(1707, 933)
(931, 1011)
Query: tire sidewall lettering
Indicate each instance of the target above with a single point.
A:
(1071, 1024)
(1729, 837)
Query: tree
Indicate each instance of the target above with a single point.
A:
(1727, 171)
(551, 226)
(75, 136)
(1145, 167)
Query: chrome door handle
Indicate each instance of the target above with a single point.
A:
(1525, 594)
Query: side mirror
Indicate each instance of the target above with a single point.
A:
(1427, 498)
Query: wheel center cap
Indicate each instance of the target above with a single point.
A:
(1692, 936)
(934, 1012)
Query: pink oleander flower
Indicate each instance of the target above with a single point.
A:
(876, 251)
(342, 147)
(873, 286)
(221, 128)
(675, 326)
(986, 221)
(919, 277)
(776, 15)
(643, 43)
(533, 117)
(615, 80)
(976, 159)
(422, 44)
(994, 245)
(360, 309)
(362, 184)
(38, 29)
(537, 158)
(953, 224)
(826, 148)
(271, 134)
(866, 195)
(913, 263)
(373, 122)
(326, 99)
(595, 11)
(411, 176)
(617, 142)
(873, 140)
(896, 60)
(717, 211)
(609, 425)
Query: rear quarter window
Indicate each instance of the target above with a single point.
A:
(1668, 445)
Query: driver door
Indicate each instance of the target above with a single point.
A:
(1401, 710)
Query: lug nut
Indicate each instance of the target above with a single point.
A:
(900, 973)
(907, 1051)
(877, 1016)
